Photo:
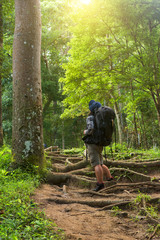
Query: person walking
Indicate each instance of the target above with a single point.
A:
(94, 150)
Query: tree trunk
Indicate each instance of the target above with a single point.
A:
(118, 117)
(156, 99)
(135, 135)
(63, 135)
(145, 145)
(27, 131)
(1, 61)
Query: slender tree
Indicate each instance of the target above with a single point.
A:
(1, 62)
(27, 133)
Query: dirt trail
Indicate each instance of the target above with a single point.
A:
(79, 211)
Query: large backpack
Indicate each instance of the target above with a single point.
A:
(104, 122)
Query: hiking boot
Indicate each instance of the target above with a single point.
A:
(99, 187)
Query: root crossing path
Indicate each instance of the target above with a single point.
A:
(126, 209)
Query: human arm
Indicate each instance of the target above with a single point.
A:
(90, 125)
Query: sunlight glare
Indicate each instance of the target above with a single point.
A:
(85, 1)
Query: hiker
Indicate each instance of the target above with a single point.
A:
(94, 149)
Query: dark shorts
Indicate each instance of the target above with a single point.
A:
(95, 154)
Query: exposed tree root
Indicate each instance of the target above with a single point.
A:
(121, 173)
(75, 171)
(79, 165)
(58, 160)
(154, 232)
(145, 212)
(139, 167)
(131, 175)
(51, 149)
(126, 204)
(55, 157)
(123, 186)
(121, 205)
(91, 203)
(75, 159)
(63, 178)
(83, 171)
(99, 194)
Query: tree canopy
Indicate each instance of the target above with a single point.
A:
(103, 50)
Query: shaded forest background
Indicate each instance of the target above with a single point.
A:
(105, 51)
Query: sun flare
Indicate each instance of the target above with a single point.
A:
(85, 1)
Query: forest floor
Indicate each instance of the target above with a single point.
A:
(114, 213)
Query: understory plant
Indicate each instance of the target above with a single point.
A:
(20, 217)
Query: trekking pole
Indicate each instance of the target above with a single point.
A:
(115, 136)
(105, 155)
(111, 150)
(86, 154)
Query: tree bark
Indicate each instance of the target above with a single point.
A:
(118, 122)
(1, 62)
(135, 135)
(156, 99)
(27, 131)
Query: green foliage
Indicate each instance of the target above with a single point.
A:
(153, 211)
(152, 153)
(113, 61)
(20, 217)
(149, 209)
(115, 210)
(7, 109)
(121, 151)
(5, 157)
(8, 29)
(140, 196)
(55, 36)
(74, 151)
(110, 55)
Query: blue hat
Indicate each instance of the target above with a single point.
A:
(93, 104)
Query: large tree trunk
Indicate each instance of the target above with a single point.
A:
(27, 131)
(1, 61)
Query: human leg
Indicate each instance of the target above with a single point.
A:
(94, 154)
(99, 173)
(105, 169)
(106, 172)
(99, 176)
(95, 159)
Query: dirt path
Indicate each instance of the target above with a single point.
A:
(82, 221)
(79, 211)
